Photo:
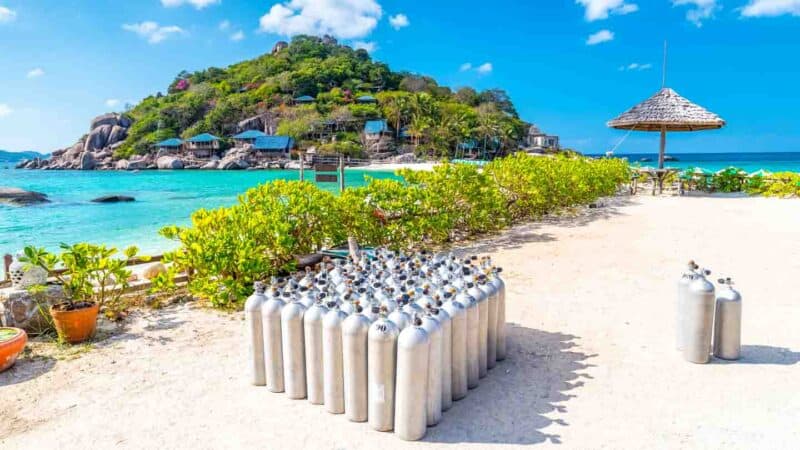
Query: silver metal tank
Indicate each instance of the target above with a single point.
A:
(458, 348)
(294, 358)
(473, 337)
(500, 286)
(354, 350)
(382, 367)
(699, 320)
(332, 359)
(273, 354)
(683, 287)
(255, 334)
(433, 400)
(413, 348)
(446, 323)
(312, 331)
(491, 335)
(728, 322)
(483, 316)
(400, 318)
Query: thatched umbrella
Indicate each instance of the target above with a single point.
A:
(667, 111)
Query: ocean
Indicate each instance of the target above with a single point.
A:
(749, 162)
(162, 198)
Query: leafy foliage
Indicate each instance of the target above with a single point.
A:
(227, 249)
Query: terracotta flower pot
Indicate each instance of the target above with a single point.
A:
(75, 325)
(12, 341)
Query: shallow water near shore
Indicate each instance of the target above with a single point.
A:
(162, 198)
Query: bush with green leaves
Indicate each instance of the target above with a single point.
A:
(780, 184)
(227, 249)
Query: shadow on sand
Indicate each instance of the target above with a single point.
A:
(26, 368)
(510, 404)
(764, 354)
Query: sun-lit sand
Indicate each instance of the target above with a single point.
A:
(591, 361)
(397, 166)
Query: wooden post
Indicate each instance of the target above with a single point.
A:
(302, 166)
(341, 173)
(662, 147)
(7, 259)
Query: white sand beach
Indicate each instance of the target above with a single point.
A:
(591, 360)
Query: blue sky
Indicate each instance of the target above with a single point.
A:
(568, 65)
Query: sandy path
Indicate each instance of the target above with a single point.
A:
(591, 361)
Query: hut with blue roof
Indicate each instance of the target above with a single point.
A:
(271, 147)
(247, 137)
(375, 128)
(303, 100)
(366, 99)
(169, 146)
(203, 145)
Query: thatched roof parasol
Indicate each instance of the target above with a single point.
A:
(667, 111)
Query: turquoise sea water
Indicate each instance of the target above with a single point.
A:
(749, 162)
(162, 198)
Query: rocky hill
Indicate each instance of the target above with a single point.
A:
(15, 157)
(264, 93)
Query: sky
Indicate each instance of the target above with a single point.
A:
(569, 65)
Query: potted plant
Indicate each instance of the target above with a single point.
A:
(12, 341)
(91, 277)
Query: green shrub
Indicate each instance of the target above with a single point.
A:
(731, 179)
(781, 184)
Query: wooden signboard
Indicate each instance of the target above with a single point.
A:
(326, 178)
(326, 168)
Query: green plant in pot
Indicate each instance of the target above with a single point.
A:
(91, 276)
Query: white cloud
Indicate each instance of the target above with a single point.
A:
(112, 102)
(635, 67)
(345, 19)
(7, 15)
(199, 4)
(465, 67)
(35, 73)
(399, 21)
(771, 8)
(699, 10)
(238, 36)
(5, 110)
(224, 25)
(600, 37)
(152, 31)
(369, 46)
(484, 68)
(601, 9)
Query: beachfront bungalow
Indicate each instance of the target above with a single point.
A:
(304, 100)
(272, 147)
(538, 141)
(247, 137)
(203, 145)
(364, 99)
(169, 146)
(376, 128)
(465, 148)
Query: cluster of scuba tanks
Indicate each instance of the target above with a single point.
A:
(707, 325)
(387, 337)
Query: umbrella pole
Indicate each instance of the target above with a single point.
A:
(662, 148)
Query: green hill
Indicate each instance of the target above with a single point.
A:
(432, 119)
(15, 157)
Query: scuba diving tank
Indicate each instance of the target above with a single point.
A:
(728, 322)
(332, 360)
(483, 329)
(491, 335)
(433, 402)
(699, 319)
(473, 337)
(458, 348)
(413, 348)
(312, 332)
(447, 355)
(399, 317)
(255, 334)
(500, 286)
(683, 288)
(410, 306)
(381, 366)
(294, 358)
(273, 354)
(354, 350)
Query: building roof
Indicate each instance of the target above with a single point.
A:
(250, 134)
(273, 143)
(204, 137)
(366, 99)
(376, 126)
(173, 142)
(304, 98)
(668, 111)
(470, 144)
